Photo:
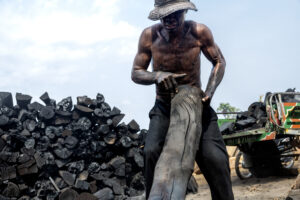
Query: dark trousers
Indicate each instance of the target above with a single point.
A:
(211, 157)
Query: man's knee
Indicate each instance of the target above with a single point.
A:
(216, 159)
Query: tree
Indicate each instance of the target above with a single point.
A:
(225, 108)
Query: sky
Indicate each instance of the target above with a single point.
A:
(75, 48)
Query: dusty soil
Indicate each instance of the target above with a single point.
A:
(271, 188)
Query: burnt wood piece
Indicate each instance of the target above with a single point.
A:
(12, 190)
(3, 120)
(105, 194)
(29, 167)
(65, 105)
(6, 99)
(47, 113)
(176, 162)
(117, 119)
(63, 153)
(86, 196)
(84, 100)
(68, 177)
(46, 99)
(133, 126)
(110, 138)
(115, 184)
(83, 109)
(35, 106)
(118, 164)
(137, 185)
(100, 99)
(103, 129)
(82, 185)
(7, 173)
(23, 100)
(227, 128)
(68, 194)
(115, 111)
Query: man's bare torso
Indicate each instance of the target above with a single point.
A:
(178, 56)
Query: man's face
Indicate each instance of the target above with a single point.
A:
(173, 21)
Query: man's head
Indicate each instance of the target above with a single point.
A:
(174, 21)
(164, 8)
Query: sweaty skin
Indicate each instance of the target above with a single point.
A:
(175, 46)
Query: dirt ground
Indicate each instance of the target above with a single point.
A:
(273, 188)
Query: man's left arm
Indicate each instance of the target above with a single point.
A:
(213, 53)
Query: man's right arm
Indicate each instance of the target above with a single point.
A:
(139, 73)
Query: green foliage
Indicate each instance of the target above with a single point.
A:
(225, 108)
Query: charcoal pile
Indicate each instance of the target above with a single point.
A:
(64, 151)
(255, 117)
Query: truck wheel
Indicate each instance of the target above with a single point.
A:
(241, 171)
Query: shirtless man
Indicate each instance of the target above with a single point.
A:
(175, 46)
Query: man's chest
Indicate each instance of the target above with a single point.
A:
(175, 56)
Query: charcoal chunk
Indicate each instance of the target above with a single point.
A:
(86, 196)
(115, 111)
(126, 141)
(99, 112)
(83, 124)
(63, 153)
(8, 173)
(83, 176)
(68, 194)
(242, 124)
(84, 109)
(137, 184)
(30, 125)
(227, 128)
(110, 138)
(103, 129)
(23, 100)
(68, 177)
(139, 160)
(84, 100)
(118, 163)
(115, 185)
(65, 104)
(82, 185)
(12, 190)
(133, 126)
(93, 168)
(3, 120)
(117, 119)
(45, 98)
(23, 158)
(100, 98)
(102, 175)
(105, 194)
(76, 167)
(35, 106)
(47, 113)
(29, 167)
(71, 142)
(29, 144)
(6, 99)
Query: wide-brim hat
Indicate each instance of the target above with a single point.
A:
(164, 8)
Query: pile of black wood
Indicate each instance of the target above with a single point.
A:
(61, 151)
(255, 117)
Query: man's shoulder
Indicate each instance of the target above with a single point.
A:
(152, 30)
(197, 29)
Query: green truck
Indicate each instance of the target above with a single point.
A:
(269, 149)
